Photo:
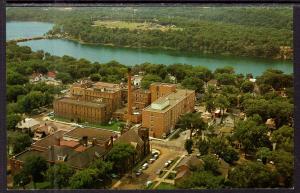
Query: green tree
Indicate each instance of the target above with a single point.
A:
(284, 138)
(35, 166)
(121, 155)
(247, 86)
(95, 77)
(21, 179)
(59, 174)
(211, 164)
(19, 141)
(193, 83)
(64, 77)
(264, 154)
(252, 175)
(223, 103)
(188, 145)
(203, 147)
(149, 79)
(12, 120)
(83, 179)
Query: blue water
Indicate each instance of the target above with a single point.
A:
(130, 56)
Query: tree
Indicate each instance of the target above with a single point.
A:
(121, 155)
(211, 164)
(252, 175)
(19, 141)
(284, 138)
(203, 147)
(223, 103)
(191, 121)
(103, 168)
(35, 166)
(58, 175)
(188, 145)
(251, 134)
(193, 83)
(14, 78)
(13, 91)
(83, 179)
(64, 77)
(95, 77)
(12, 120)
(284, 163)
(226, 79)
(264, 154)
(202, 180)
(230, 155)
(149, 79)
(247, 86)
(21, 179)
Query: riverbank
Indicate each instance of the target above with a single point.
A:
(277, 58)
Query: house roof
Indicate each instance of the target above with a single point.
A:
(98, 134)
(51, 74)
(190, 161)
(82, 103)
(49, 140)
(27, 123)
(172, 99)
(132, 137)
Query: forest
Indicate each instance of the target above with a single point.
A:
(237, 31)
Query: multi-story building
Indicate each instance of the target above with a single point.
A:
(79, 111)
(161, 89)
(107, 93)
(161, 116)
(141, 98)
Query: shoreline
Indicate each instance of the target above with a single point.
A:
(169, 49)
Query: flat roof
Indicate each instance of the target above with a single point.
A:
(49, 140)
(83, 103)
(99, 134)
(173, 98)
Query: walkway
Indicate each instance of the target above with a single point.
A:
(163, 179)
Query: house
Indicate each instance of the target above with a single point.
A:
(138, 137)
(44, 130)
(186, 166)
(270, 123)
(77, 148)
(28, 123)
(212, 82)
(51, 75)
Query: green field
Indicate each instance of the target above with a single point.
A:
(134, 25)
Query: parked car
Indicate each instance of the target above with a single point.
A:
(148, 183)
(145, 166)
(170, 161)
(138, 173)
(167, 164)
(156, 156)
(151, 160)
(159, 171)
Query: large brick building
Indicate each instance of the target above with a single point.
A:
(79, 111)
(161, 116)
(107, 93)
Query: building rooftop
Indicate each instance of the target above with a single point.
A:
(98, 134)
(49, 140)
(27, 123)
(83, 103)
(165, 103)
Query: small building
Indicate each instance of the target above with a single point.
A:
(186, 166)
(137, 80)
(43, 130)
(270, 123)
(138, 137)
(28, 123)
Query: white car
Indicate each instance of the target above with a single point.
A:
(145, 166)
(167, 164)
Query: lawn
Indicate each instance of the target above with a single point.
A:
(114, 126)
(39, 185)
(165, 186)
(134, 25)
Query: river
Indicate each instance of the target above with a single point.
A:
(130, 56)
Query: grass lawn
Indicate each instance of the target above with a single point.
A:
(114, 126)
(165, 186)
(134, 25)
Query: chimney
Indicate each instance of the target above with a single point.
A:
(129, 111)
